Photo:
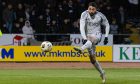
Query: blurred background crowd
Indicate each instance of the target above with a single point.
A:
(62, 16)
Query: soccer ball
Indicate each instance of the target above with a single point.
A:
(46, 46)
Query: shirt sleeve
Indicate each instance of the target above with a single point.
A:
(106, 24)
(82, 25)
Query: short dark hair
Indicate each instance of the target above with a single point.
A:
(92, 4)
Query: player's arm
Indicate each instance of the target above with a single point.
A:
(82, 25)
(105, 23)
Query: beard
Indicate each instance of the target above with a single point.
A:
(92, 15)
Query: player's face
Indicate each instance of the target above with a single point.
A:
(92, 10)
(27, 24)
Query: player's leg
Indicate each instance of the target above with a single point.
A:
(94, 61)
(95, 39)
(91, 40)
(97, 65)
(90, 45)
(87, 45)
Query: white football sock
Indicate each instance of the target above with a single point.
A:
(88, 44)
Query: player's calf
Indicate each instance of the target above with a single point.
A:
(98, 67)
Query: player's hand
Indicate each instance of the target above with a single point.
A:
(84, 41)
(105, 40)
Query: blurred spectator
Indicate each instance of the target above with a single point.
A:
(40, 24)
(33, 17)
(17, 28)
(133, 5)
(122, 15)
(80, 7)
(53, 28)
(64, 3)
(21, 21)
(48, 19)
(27, 13)
(27, 29)
(3, 4)
(66, 27)
(121, 19)
(108, 12)
(114, 27)
(29, 32)
(20, 12)
(9, 17)
(71, 10)
(45, 15)
(60, 10)
(76, 26)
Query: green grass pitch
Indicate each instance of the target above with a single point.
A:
(68, 76)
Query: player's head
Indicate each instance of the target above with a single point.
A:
(92, 8)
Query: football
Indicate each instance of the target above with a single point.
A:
(46, 46)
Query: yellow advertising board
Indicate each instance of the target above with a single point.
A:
(58, 53)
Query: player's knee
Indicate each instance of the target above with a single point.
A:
(93, 61)
(93, 39)
(91, 52)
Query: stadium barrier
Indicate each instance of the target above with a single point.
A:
(58, 39)
(67, 39)
(58, 53)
